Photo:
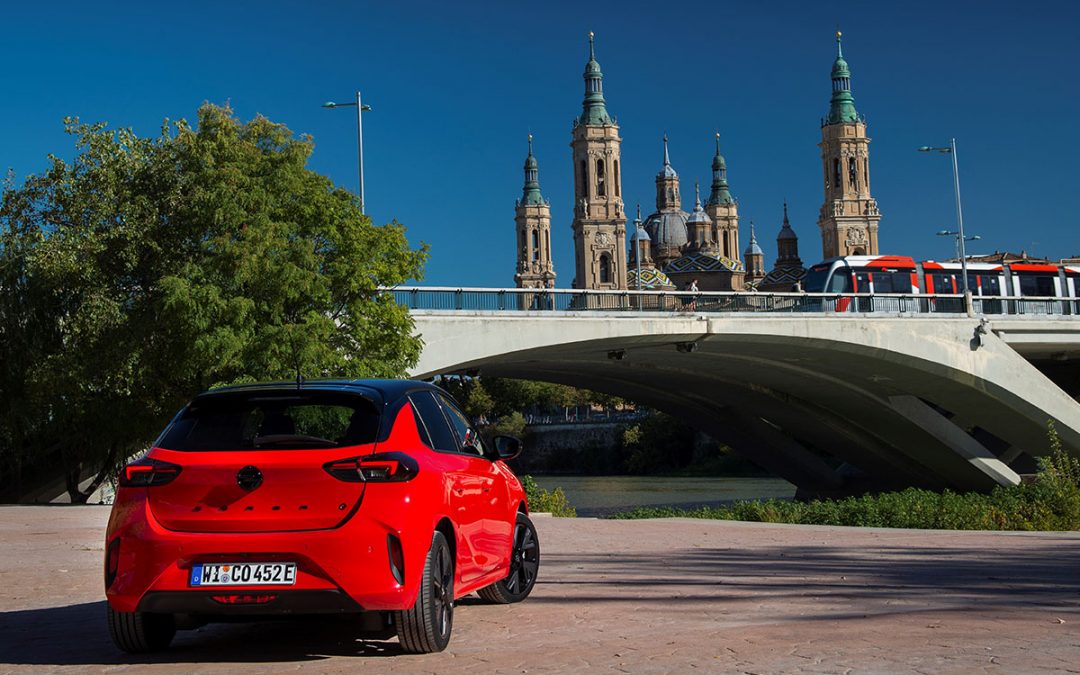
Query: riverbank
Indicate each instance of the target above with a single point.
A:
(637, 596)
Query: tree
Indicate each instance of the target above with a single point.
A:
(150, 269)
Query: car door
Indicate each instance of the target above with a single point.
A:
(494, 543)
(461, 488)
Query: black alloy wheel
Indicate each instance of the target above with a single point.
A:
(524, 566)
(426, 626)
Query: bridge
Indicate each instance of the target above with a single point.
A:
(892, 391)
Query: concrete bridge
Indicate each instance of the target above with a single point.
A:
(833, 402)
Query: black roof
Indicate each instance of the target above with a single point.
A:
(378, 391)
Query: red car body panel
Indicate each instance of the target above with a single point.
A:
(335, 531)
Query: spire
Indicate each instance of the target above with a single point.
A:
(697, 196)
(786, 232)
(842, 107)
(593, 109)
(753, 248)
(667, 171)
(531, 192)
(720, 193)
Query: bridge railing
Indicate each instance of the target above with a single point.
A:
(574, 300)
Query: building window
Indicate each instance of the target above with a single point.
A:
(583, 182)
(536, 245)
(836, 173)
(605, 268)
(853, 174)
(617, 181)
(601, 191)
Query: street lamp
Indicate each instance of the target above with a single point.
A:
(954, 233)
(951, 150)
(360, 108)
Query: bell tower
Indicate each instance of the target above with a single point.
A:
(599, 221)
(849, 217)
(532, 215)
(723, 209)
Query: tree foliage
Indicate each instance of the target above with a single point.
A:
(149, 269)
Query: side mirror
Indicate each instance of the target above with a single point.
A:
(508, 447)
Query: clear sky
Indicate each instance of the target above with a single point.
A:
(457, 86)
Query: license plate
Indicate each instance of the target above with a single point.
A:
(243, 574)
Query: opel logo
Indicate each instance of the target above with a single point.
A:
(249, 478)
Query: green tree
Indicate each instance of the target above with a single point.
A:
(149, 269)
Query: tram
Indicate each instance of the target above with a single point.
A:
(996, 282)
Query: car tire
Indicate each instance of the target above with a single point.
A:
(426, 627)
(524, 566)
(141, 632)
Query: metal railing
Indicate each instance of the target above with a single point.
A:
(723, 302)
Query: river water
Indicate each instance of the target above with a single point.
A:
(601, 495)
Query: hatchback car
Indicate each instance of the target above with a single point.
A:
(374, 497)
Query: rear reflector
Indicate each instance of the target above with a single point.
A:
(112, 562)
(397, 558)
(245, 599)
(147, 472)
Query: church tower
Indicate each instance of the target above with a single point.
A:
(532, 214)
(599, 222)
(849, 217)
(723, 210)
(755, 260)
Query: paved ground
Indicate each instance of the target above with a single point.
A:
(635, 596)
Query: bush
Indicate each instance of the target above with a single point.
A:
(547, 501)
(1051, 502)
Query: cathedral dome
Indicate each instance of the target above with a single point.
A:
(667, 228)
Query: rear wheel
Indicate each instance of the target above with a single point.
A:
(426, 626)
(524, 564)
(141, 632)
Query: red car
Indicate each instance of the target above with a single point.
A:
(374, 497)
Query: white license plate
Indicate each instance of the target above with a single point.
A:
(243, 574)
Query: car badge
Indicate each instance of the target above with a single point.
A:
(249, 478)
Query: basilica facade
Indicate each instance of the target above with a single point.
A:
(672, 247)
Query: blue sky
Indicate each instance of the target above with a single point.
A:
(457, 86)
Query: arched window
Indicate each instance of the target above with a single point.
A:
(535, 245)
(836, 174)
(605, 268)
(583, 183)
(617, 181)
(853, 174)
(727, 250)
(601, 191)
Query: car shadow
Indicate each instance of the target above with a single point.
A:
(78, 635)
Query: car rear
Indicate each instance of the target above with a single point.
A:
(247, 505)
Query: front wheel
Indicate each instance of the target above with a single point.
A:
(141, 632)
(426, 626)
(524, 565)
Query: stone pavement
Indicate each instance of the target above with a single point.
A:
(626, 596)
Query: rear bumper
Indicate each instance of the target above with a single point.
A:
(346, 569)
(202, 603)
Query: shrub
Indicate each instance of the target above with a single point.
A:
(547, 501)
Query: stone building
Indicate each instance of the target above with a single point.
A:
(788, 270)
(755, 261)
(599, 222)
(532, 214)
(849, 216)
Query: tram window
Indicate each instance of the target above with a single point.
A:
(840, 282)
(892, 282)
(862, 282)
(944, 283)
(985, 284)
(1038, 285)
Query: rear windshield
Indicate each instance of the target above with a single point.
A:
(268, 420)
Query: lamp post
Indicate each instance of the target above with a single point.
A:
(951, 150)
(360, 108)
(953, 233)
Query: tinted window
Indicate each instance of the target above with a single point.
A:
(460, 423)
(442, 436)
(261, 420)
(1037, 285)
(815, 278)
(840, 281)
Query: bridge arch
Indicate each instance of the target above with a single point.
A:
(893, 397)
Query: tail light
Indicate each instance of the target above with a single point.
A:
(112, 561)
(397, 558)
(383, 467)
(148, 472)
